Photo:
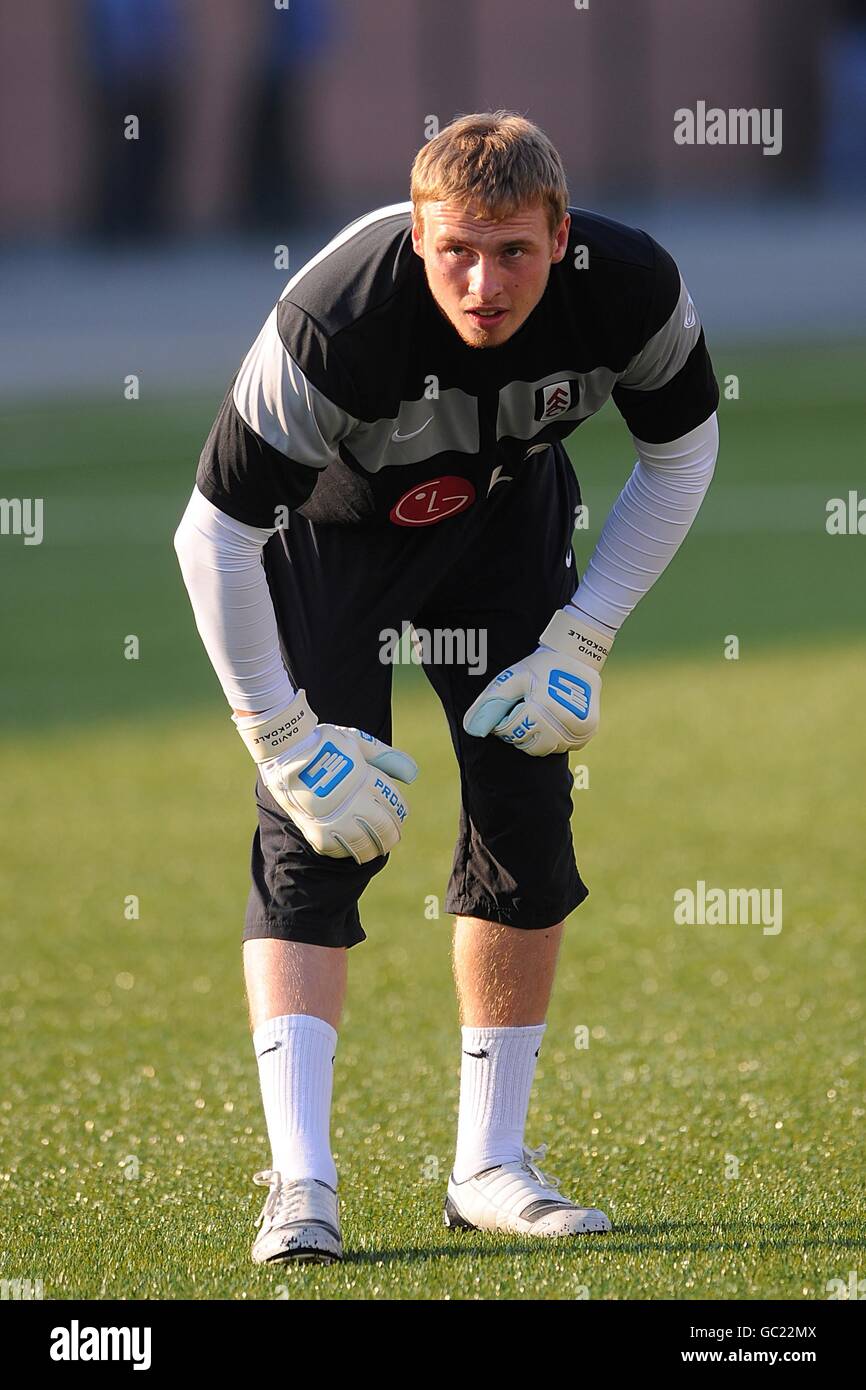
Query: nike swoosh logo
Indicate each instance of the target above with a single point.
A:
(270, 1049)
(475, 1054)
(568, 560)
(401, 438)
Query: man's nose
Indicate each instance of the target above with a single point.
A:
(484, 279)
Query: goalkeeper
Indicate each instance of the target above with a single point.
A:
(390, 449)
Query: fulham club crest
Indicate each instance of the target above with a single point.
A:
(555, 399)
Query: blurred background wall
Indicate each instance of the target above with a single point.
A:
(251, 114)
(269, 122)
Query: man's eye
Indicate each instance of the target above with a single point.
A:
(514, 251)
(455, 250)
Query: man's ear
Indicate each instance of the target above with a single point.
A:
(561, 239)
(418, 234)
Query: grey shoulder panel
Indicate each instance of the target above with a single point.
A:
(280, 404)
(667, 350)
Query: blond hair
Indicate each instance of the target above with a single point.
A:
(492, 162)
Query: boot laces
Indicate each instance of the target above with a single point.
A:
(531, 1158)
(284, 1198)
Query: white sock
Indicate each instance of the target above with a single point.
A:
(296, 1070)
(494, 1095)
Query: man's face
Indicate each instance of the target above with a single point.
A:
(485, 276)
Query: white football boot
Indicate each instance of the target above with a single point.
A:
(519, 1198)
(299, 1221)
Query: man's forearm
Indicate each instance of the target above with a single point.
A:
(647, 524)
(220, 559)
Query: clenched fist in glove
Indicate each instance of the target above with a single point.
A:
(548, 702)
(336, 783)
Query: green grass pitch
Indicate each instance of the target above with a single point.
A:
(130, 1120)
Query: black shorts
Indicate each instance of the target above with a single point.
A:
(505, 565)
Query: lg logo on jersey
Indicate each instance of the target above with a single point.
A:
(433, 501)
(446, 496)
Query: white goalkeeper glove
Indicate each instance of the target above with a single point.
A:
(549, 701)
(336, 783)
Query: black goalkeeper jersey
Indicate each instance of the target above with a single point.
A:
(359, 404)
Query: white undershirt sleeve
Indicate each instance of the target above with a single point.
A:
(221, 563)
(647, 524)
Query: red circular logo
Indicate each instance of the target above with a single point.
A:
(433, 501)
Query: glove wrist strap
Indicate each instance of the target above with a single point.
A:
(267, 737)
(567, 633)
